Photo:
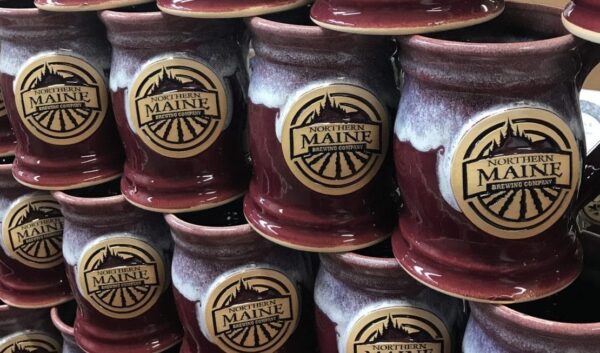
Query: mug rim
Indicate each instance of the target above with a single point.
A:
(6, 169)
(59, 323)
(87, 201)
(21, 12)
(288, 29)
(125, 17)
(365, 262)
(197, 230)
(524, 48)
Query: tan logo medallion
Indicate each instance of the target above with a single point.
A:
(178, 107)
(122, 277)
(61, 99)
(335, 138)
(515, 173)
(32, 231)
(398, 330)
(252, 310)
(592, 211)
(29, 342)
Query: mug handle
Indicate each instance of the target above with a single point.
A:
(590, 178)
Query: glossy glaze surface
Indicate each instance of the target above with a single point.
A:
(90, 217)
(435, 242)
(582, 18)
(279, 206)
(210, 245)
(26, 32)
(219, 173)
(86, 5)
(227, 8)
(400, 17)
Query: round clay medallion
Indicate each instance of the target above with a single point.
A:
(227, 8)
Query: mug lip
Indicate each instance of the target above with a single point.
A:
(116, 16)
(287, 29)
(202, 231)
(6, 169)
(59, 323)
(62, 196)
(525, 48)
(357, 260)
(21, 12)
(520, 319)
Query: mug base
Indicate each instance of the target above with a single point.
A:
(402, 19)
(225, 9)
(79, 6)
(59, 182)
(309, 238)
(589, 34)
(491, 288)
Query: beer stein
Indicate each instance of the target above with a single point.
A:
(582, 18)
(227, 8)
(491, 159)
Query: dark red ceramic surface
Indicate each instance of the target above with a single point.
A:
(389, 17)
(210, 244)
(27, 31)
(89, 217)
(85, 5)
(8, 142)
(20, 285)
(216, 175)
(227, 8)
(289, 58)
(435, 242)
(63, 318)
(582, 18)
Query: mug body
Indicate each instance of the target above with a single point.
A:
(320, 103)
(582, 18)
(178, 89)
(227, 8)
(401, 17)
(118, 260)
(27, 331)
(32, 272)
(490, 169)
(63, 318)
(235, 291)
(366, 303)
(54, 80)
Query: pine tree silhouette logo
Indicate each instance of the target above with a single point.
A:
(61, 99)
(122, 277)
(29, 342)
(178, 107)
(335, 138)
(398, 329)
(592, 211)
(515, 173)
(254, 310)
(32, 231)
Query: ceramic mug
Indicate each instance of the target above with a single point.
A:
(63, 318)
(227, 8)
(401, 17)
(27, 331)
(235, 291)
(365, 302)
(582, 18)
(118, 260)
(53, 69)
(32, 272)
(178, 88)
(320, 103)
(490, 157)
(85, 5)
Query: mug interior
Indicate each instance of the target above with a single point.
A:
(146, 7)
(381, 250)
(577, 304)
(17, 4)
(108, 189)
(515, 25)
(227, 215)
(297, 17)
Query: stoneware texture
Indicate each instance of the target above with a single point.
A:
(184, 137)
(66, 134)
(319, 189)
(401, 17)
(85, 5)
(227, 8)
(455, 235)
(352, 286)
(104, 237)
(29, 329)
(63, 318)
(211, 248)
(22, 283)
(582, 18)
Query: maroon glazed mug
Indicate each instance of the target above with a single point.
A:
(227, 8)
(320, 116)
(491, 159)
(84, 5)
(27, 331)
(118, 260)
(53, 70)
(237, 292)
(32, 272)
(401, 17)
(63, 318)
(178, 88)
(366, 303)
(582, 18)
